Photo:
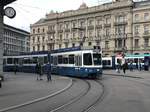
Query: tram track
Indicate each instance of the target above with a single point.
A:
(99, 99)
(81, 99)
(74, 99)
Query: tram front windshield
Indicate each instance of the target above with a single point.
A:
(97, 59)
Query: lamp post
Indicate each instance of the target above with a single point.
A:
(9, 12)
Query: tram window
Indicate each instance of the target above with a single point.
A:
(65, 60)
(9, 61)
(87, 59)
(26, 61)
(35, 59)
(45, 59)
(97, 59)
(60, 59)
(71, 59)
(41, 60)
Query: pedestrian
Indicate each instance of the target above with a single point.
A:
(37, 70)
(48, 72)
(40, 71)
(118, 67)
(140, 66)
(15, 68)
(124, 67)
(131, 66)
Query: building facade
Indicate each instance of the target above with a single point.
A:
(16, 41)
(111, 25)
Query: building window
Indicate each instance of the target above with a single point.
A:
(136, 17)
(59, 46)
(43, 48)
(119, 43)
(106, 44)
(66, 45)
(38, 47)
(146, 16)
(136, 44)
(43, 30)
(89, 43)
(38, 39)
(33, 30)
(146, 29)
(120, 30)
(73, 44)
(90, 22)
(43, 38)
(74, 24)
(38, 30)
(33, 39)
(136, 29)
(120, 19)
(146, 41)
(82, 23)
(107, 31)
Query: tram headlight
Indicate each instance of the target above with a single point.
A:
(98, 70)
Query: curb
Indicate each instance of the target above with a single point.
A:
(123, 75)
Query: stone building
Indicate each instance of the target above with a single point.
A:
(16, 41)
(110, 25)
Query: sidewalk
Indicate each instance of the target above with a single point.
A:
(133, 74)
(23, 88)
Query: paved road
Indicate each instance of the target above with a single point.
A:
(21, 88)
(119, 94)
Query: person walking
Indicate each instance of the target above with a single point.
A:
(48, 72)
(131, 66)
(37, 69)
(124, 67)
(40, 71)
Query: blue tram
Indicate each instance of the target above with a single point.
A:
(75, 61)
(112, 62)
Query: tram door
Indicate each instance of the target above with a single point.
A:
(78, 64)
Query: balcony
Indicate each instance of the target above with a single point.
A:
(50, 31)
(91, 27)
(120, 23)
(146, 34)
(67, 30)
(107, 25)
(120, 36)
(60, 31)
(99, 26)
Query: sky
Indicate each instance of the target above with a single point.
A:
(30, 11)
